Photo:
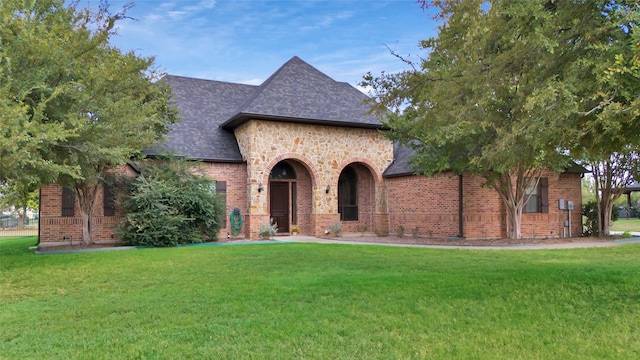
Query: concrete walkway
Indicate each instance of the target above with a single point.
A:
(568, 245)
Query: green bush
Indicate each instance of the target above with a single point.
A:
(168, 204)
(590, 218)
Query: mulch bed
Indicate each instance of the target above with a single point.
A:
(389, 239)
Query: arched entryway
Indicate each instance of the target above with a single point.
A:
(356, 198)
(290, 196)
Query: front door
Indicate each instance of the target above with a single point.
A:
(280, 205)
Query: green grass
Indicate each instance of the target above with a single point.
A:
(312, 301)
(626, 225)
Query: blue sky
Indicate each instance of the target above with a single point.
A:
(246, 41)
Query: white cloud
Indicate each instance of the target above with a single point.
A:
(327, 20)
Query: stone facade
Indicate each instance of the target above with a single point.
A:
(322, 152)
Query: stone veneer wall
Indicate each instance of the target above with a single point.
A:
(323, 150)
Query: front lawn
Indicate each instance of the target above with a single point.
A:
(313, 301)
(631, 225)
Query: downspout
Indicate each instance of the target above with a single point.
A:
(39, 214)
(460, 211)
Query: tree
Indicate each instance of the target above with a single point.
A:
(21, 196)
(611, 177)
(77, 105)
(608, 116)
(489, 98)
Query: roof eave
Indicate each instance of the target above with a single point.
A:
(241, 118)
(202, 159)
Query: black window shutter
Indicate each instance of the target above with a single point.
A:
(68, 202)
(109, 196)
(544, 195)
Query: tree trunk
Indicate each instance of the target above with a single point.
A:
(513, 195)
(21, 216)
(610, 177)
(20, 221)
(86, 199)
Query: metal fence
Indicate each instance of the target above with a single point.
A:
(10, 226)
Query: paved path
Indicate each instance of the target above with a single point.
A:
(568, 245)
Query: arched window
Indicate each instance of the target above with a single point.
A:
(348, 194)
(282, 170)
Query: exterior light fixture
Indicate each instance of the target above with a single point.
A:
(260, 187)
(327, 189)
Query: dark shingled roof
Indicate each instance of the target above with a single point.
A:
(297, 92)
(400, 165)
(203, 106)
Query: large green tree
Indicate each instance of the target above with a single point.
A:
(608, 118)
(495, 94)
(76, 105)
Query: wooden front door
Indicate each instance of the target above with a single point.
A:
(279, 201)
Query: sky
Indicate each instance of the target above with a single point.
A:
(246, 41)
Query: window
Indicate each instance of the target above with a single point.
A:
(282, 170)
(68, 202)
(348, 194)
(221, 191)
(539, 197)
(109, 196)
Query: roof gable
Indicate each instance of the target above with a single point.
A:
(301, 93)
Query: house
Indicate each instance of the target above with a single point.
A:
(302, 149)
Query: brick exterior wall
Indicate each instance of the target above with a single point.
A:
(483, 214)
(54, 228)
(427, 206)
(235, 176)
(430, 206)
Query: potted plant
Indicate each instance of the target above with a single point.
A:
(268, 229)
(294, 230)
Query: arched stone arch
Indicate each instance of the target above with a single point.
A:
(313, 171)
(291, 200)
(372, 201)
(375, 172)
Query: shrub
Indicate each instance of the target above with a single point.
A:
(382, 232)
(400, 231)
(335, 229)
(416, 231)
(268, 229)
(590, 218)
(168, 204)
